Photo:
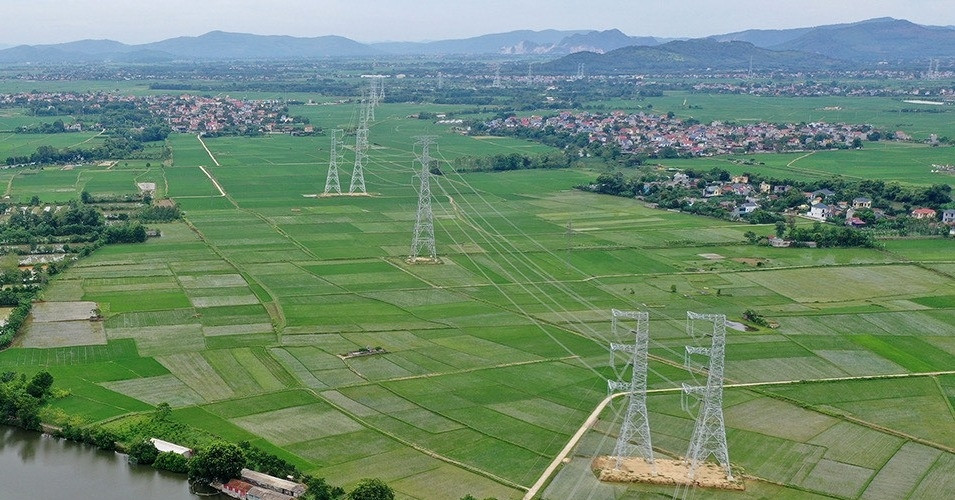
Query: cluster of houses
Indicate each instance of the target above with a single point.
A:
(258, 486)
(818, 205)
(816, 89)
(183, 113)
(647, 132)
(191, 113)
(251, 485)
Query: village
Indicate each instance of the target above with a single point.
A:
(669, 136)
(218, 114)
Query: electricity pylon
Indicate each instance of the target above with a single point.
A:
(709, 434)
(332, 185)
(357, 185)
(422, 243)
(634, 437)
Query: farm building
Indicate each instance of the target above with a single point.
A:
(280, 485)
(235, 488)
(166, 446)
(258, 493)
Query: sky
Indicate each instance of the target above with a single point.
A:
(138, 21)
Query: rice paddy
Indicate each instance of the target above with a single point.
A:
(239, 317)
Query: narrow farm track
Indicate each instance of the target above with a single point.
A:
(592, 419)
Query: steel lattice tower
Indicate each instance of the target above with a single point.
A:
(332, 185)
(422, 243)
(634, 437)
(709, 434)
(372, 98)
(357, 185)
(497, 77)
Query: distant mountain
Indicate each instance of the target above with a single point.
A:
(601, 41)
(688, 55)
(875, 40)
(215, 45)
(522, 42)
(223, 45)
(863, 42)
(512, 42)
(763, 38)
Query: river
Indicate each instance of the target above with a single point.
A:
(41, 467)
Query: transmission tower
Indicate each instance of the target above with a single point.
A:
(357, 185)
(709, 434)
(634, 437)
(580, 71)
(372, 101)
(331, 182)
(422, 243)
(497, 77)
(440, 80)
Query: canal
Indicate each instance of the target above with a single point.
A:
(35, 466)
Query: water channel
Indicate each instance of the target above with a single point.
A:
(40, 467)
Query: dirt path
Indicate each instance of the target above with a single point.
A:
(101, 132)
(213, 179)
(807, 155)
(214, 160)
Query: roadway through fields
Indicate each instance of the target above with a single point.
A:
(592, 419)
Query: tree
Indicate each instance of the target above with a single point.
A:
(319, 489)
(143, 452)
(372, 489)
(780, 229)
(171, 461)
(219, 462)
(162, 412)
(40, 385)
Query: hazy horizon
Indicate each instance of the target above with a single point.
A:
(401, 20)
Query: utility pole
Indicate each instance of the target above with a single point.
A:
(634, 437)
(709, 434)
(332, 185)
(422, 243)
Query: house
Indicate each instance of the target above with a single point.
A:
(235, 488)
(166, 446)
(948, 216)
(740, 179)
(781, 189)
(713, 190)
(855, 222)
(779, 242)
(765, 187)
(748, 208)
(923, 213)
(820, 211)
(861, 202)
(284, 486)
(821, 194)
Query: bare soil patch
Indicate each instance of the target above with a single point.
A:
(668, 472)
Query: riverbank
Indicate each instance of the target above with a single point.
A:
(35, 465)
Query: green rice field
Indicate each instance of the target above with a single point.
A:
(241, 317)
